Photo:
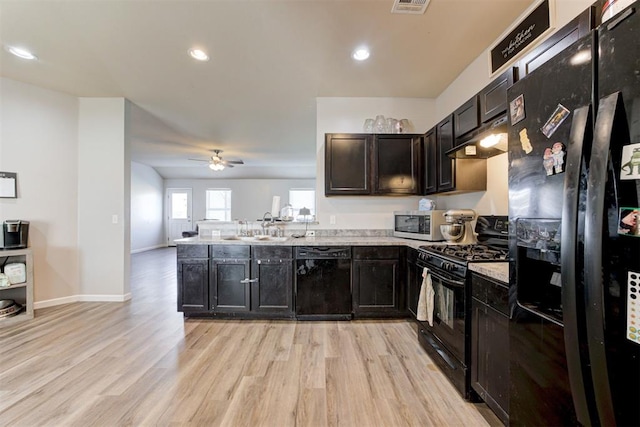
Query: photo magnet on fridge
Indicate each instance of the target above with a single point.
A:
(630, 168)
(553, 159)
(629, 224)
(516, 109)
(559, 115)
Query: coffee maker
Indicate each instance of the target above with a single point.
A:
(15, 234)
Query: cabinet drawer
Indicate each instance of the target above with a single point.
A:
(193, 251)
(376, 252)
(272, 252)
(233, 252)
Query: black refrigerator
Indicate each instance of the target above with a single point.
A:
(574, 204)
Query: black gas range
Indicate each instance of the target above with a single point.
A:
(447, 337)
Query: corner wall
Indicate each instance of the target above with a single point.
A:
(38, 141)
(103, 199)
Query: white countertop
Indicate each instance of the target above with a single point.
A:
(312, 241)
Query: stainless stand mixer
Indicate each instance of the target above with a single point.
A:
(458, 228)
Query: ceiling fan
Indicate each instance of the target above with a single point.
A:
(217, 164)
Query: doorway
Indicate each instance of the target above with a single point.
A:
(178, 208)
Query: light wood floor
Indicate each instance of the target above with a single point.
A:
(140, 363)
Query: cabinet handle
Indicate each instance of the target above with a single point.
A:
(248, 280)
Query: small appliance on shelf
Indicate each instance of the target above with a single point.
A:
(15, 234)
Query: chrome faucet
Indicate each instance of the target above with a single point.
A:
(264, 220)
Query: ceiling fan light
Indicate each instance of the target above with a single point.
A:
(216, 166)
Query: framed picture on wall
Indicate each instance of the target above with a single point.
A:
(8, 185)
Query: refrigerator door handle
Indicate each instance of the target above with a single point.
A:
(608, 112)
(575, 174)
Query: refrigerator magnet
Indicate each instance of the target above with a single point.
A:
(525, 142)
(559, 115)
(516, 109)
(553, 159)
(630, 168)
(629, 223)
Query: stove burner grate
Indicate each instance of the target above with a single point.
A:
(468, 252)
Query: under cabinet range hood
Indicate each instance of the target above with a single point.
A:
(486, 141)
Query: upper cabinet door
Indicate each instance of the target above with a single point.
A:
(396, 166)
(347, 164)
(574, 30)
(446, 165)
(466, 117)
(430, 162)
(493, 98)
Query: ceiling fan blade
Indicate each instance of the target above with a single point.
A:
(229, 166)
(235, 162)
(200, 160)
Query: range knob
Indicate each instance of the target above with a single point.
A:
(448, 266)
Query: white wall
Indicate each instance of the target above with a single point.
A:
(337, 115)
(147, 196)
(476, 76)
(250, 198)
(103, 195)
(38, 141)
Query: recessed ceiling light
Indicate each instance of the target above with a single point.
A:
(199, 54)
(360, 54)
(21, 53)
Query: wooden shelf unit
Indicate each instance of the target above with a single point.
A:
(20, 292)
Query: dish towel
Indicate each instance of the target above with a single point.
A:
(425, 301)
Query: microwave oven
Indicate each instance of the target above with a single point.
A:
(420, 225)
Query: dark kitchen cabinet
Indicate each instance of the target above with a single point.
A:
(193, 278)
(396, 164)
(466, 117)
(430, 163)
(558, 41)
(272, 266)
(490, 344)
(368, 164)
(230, 280)
(377, 281)
(436, 161)
(414, 282)
(493, 98)
(347, 164)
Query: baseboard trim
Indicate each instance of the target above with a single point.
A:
(150, 248)
(81, 298)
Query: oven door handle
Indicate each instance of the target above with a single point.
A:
(447, 281)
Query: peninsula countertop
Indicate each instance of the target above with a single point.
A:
(309, 241)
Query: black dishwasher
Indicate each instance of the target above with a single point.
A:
(323, 283)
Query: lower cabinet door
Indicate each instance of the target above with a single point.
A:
(272, 292)
(375, 286)
(414, 283)
(490, 358)
(193, 285)
(230, 285)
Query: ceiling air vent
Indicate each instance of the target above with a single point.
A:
(416, 7)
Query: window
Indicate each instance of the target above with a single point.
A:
(303, 198)
(219, 204)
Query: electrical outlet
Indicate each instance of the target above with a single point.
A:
(310, 233)
(332, 219)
